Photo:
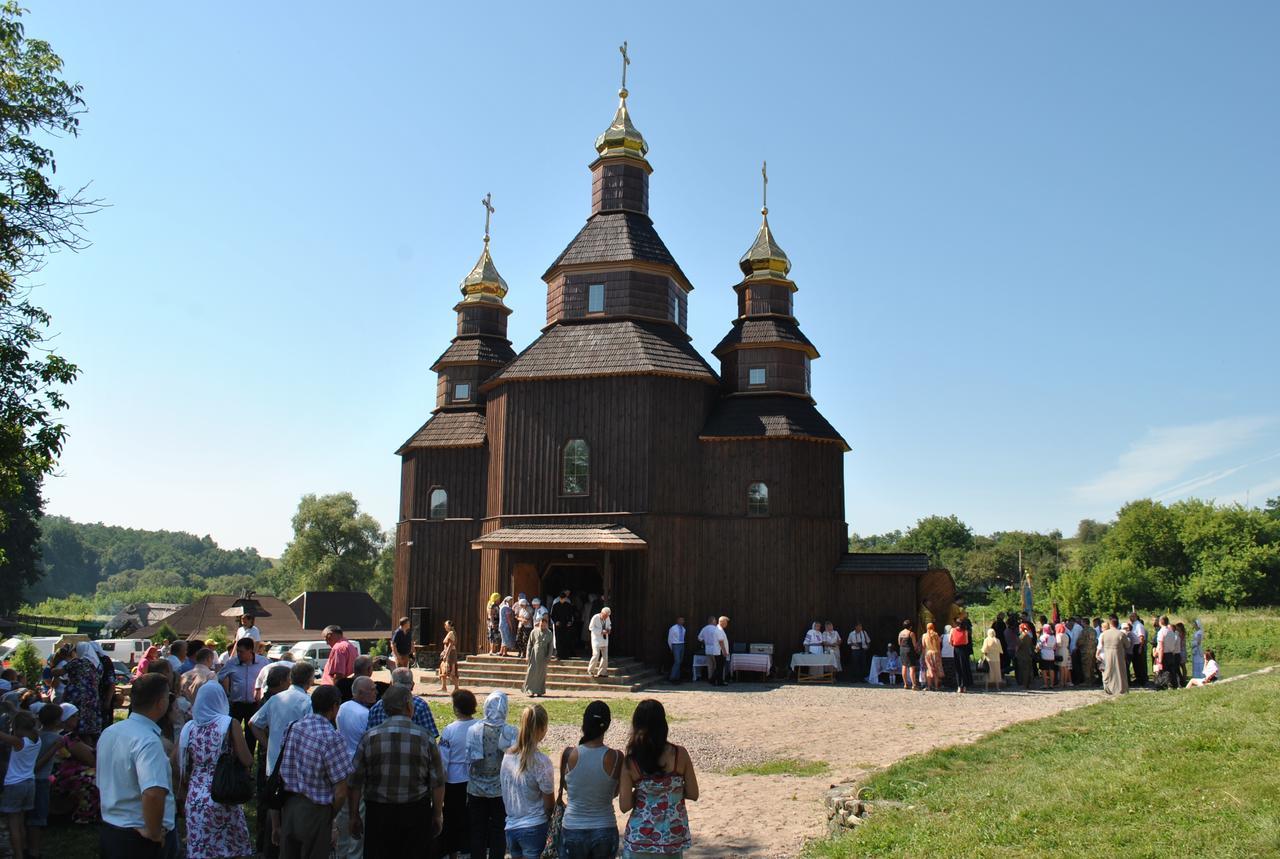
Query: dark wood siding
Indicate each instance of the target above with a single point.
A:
(638, 294)
(619, 186)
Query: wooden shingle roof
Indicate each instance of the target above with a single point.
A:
(751, 417)
(883, 562)
(611, 537)
(621, 348)
(616, 237)
(773, 329)
(476, 350)
(449, 429)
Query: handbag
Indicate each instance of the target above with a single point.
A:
(555, 826)
(232, 784)
(275, 794)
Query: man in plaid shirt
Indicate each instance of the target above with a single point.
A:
(314, 764)
(421, 712)
(399, 770)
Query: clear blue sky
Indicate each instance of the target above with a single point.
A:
(1036, 244)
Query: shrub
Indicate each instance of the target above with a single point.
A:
(26, 660)
(164, 634)
(216, 637)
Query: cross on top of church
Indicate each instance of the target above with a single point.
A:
(764, 194)
(626, 61)
(487, 202)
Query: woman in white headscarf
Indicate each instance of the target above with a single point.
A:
(1197, 650)
(487, 741)
(82, 674)
(214, 831)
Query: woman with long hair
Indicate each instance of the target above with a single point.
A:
(909, 653)
(657, 779)
(932, 657)
(527, 784)
(491, 623)
(589, 772)
(449, 658)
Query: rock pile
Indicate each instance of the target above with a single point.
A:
(847, 810)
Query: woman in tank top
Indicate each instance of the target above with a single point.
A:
(657, 779)
(909, 653)
(589, 773)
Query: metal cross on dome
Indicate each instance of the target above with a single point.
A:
(764, 194)
(626, 61)
(488, 210)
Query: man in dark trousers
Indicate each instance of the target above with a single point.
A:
(562, 618)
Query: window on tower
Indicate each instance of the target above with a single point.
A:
(755, 376)
(438, 504)
(757, 500)
(575, 467)
(595, 298)
(461, 392)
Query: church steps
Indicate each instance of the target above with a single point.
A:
(570, 675)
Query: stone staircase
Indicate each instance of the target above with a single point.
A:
(625, 674)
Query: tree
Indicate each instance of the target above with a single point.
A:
(1273, 507)
(1146, 533)
(934, 534)
(19, 542)
(164, 635)
(885, 542)
(26, 660)
(384, 578)
(334, 547)
(38, 217)
(1090, 531)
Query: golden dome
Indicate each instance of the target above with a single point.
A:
(484, 283)
(764, 259)
(621, 138)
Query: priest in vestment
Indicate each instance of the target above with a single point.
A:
(1115, 676)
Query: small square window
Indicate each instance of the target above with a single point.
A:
(755, 376)
(595, 298)
(462, 392)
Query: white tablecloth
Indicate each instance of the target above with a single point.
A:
(761, 662)
(807, 660)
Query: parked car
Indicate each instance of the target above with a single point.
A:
(277, 651)
(127, 650)
(315, 652)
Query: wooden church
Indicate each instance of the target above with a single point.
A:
(610, 457)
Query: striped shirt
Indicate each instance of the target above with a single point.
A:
(314, 759)
(397, 763)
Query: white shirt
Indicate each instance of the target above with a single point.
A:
(453, 751)
(859, 640)
(251, 632)
(712, 638)
(353, 721)
(1137, 632)
(131, 759)
(813, 641)
(1210, 669)
(675, 635)
(599, 626)
(277, 715)
(22, 763)
(948, 649)
(1073, 632)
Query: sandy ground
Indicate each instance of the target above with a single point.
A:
(855, 729)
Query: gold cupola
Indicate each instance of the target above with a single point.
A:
(765, 259)
(484, 283)
(622, 138)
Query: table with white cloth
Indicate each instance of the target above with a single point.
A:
(825, 662)
(757, 662)
(878, 664)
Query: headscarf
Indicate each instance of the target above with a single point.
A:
(495, 714)
(152, 653)
(1062, 627)
(68, 710)
(211, 708)
(1198, 624)
(991, 633)
(493, 598)
(84, 650)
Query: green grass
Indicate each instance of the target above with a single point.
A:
(560, 711)
(1094, 781)
(782, 766)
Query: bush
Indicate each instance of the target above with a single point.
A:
(26, 660)
(164, 635)
(382, 647)
(216, 638)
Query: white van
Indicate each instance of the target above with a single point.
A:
(315, 652)
(45, 646)
(126, 650)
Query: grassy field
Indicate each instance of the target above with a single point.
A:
(560, 711)
(782, 767)
(1189, 773)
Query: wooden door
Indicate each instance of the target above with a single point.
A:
(526, 580)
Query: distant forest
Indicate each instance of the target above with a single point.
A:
(1152, 555)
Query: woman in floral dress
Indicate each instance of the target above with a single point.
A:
(449, 658)
(214, 831)
(75, 787)
(83, 674)
(657, 779)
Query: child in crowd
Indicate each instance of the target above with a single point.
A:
(20, 782)
(455, 837)
(50, 718)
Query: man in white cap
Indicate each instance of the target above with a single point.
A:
(601, 625)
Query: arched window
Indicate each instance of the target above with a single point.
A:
(575, 467)
(438, 504)
(757, 500)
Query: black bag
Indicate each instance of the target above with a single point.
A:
(232, 784)
(274, 795)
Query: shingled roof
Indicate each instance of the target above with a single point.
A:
(883, 562)
(448, 429)
(622, 348)
(752, 417)
(610, 537)
(768, 330)
(476, 350)
(616, 237)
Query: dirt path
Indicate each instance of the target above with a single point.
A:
(853, 729)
